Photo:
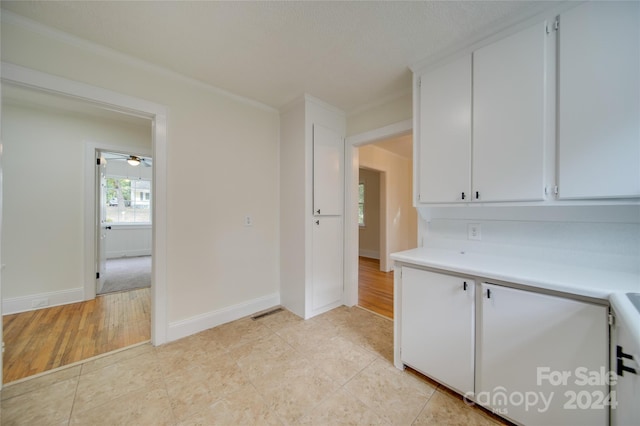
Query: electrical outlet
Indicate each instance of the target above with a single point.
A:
(474, 231)
(248, 221)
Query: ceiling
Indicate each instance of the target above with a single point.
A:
(352, 55)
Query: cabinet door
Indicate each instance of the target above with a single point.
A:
(445, 133)
(627, 385)
(326, 264)
(526, 342)
(328, 160)
(438, 327)
(509, 88)
(599, 101)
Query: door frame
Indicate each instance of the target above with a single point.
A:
(352, 160)
(157, 113)
(92, 225)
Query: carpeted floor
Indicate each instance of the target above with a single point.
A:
(127, 273)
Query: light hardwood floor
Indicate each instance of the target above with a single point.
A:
(375, 288)
(41, 340)
(38, 341)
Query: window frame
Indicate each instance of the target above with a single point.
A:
(133, 201)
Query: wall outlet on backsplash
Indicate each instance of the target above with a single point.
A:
(474, 231)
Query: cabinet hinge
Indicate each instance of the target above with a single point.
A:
(546, 28)
(612, 320)
(97, 275)
(556, 25)
(97, 161)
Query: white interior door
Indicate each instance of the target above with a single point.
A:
(102, 225)
(328, 159)
(327, 263)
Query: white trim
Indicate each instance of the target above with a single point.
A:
(351, 227)
(20, 21)
(119, 254)
(379, 102)
(382, 133)
(198, 323)
(19, 304)
(22, 76)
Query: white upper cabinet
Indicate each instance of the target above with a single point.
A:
(599, 101)
(445, 133)
(483, 122)
(509, 117)
(328, 159)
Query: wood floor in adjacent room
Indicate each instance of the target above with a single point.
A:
(375, 288)
(48, 338)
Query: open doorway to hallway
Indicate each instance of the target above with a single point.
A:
(49, 318)
(387, 220)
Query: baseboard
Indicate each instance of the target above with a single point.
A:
(372, 254)
(128, 253)
(16, 305)
(193, 325)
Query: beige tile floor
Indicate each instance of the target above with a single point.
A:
(334, 369)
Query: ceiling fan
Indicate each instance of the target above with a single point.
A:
(133, 160)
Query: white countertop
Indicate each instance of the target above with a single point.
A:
(587, 282)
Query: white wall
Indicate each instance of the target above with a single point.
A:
(43, 166)
(222, 165)
(128, 241)
(399, 214)
(369, 234)
(375, 117)
(603, 237)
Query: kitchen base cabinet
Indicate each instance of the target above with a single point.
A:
(542, 359)
(625, 361)
(438, 326)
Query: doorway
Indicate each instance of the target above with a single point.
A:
(398, 229)
(375, 285)
(94, 98)
(124, 221)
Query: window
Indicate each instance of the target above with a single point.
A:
(128, 201)
(361, 204)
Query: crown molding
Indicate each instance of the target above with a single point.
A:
(379, 102)
(11, 18)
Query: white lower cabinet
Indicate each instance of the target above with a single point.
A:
(535, 352)
(438, 326)
(533, 358)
